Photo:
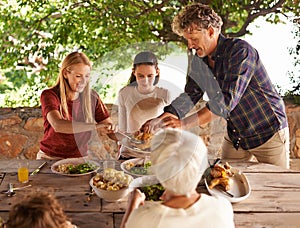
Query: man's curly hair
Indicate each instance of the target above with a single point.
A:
(196, 16)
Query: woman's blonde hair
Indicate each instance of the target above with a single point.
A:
(66, 65)
(38, 210)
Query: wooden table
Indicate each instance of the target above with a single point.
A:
(274, 200)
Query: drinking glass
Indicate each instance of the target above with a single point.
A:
(23, 173)
(109, 164)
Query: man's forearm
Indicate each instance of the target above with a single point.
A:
(203, 116)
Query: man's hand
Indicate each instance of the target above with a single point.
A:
(172, 122)
(153, 125)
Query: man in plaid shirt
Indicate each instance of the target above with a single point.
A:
(239, 89)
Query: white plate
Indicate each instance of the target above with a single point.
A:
(240, 188)
(134, 161)
(133, 150)
(75, 161)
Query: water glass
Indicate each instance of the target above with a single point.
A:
(109, 164)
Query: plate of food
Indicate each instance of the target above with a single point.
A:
(138, 149)
(75, 167)
(137, 167)
(228, 182)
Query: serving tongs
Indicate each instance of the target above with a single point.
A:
(224, 191)
(206, 174)
(207, 171)
(135, 141)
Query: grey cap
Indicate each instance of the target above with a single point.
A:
(145, 57)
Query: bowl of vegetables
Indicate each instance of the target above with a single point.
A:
(150, 186)
(75, 167)
(111, 185)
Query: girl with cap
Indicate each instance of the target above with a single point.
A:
(141, 99)
(179, 159)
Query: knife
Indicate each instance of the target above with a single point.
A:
(38, 169)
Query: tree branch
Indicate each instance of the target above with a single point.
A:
(254, 13)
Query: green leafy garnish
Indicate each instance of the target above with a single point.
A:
(152, 192)
(81, 168)
(141, 169)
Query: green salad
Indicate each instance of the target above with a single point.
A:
(152, 192)
(81, 168)
(140, 169)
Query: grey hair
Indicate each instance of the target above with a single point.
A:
(179, 159)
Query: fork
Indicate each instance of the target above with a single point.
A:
(12, 188)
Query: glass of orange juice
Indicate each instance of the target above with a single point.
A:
(23, 173)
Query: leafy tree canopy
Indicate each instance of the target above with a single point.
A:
(35, 35)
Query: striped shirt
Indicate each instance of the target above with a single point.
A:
(239, 90)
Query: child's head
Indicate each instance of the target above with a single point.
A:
(145, 63)
(36, 211)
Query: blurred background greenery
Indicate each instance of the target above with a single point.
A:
(36, 35)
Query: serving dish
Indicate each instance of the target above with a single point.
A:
(138, 171)
(133, 150)
(74, 161)
(240, 188)
(115, 188)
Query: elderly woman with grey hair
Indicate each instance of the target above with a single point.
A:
(179, 159)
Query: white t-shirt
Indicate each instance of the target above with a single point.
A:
(135, 108)
(208, 211)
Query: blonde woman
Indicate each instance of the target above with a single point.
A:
(71, 111)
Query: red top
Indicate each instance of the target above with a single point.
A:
(68, 145)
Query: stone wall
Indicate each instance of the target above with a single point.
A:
(21, 129)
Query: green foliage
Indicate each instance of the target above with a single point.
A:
(294, 74)
(27, 93)
(36, 35)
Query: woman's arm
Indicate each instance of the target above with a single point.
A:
(66, 126)
(136, 199)
(71, 127)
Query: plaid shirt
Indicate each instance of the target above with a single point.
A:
(239, 90)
